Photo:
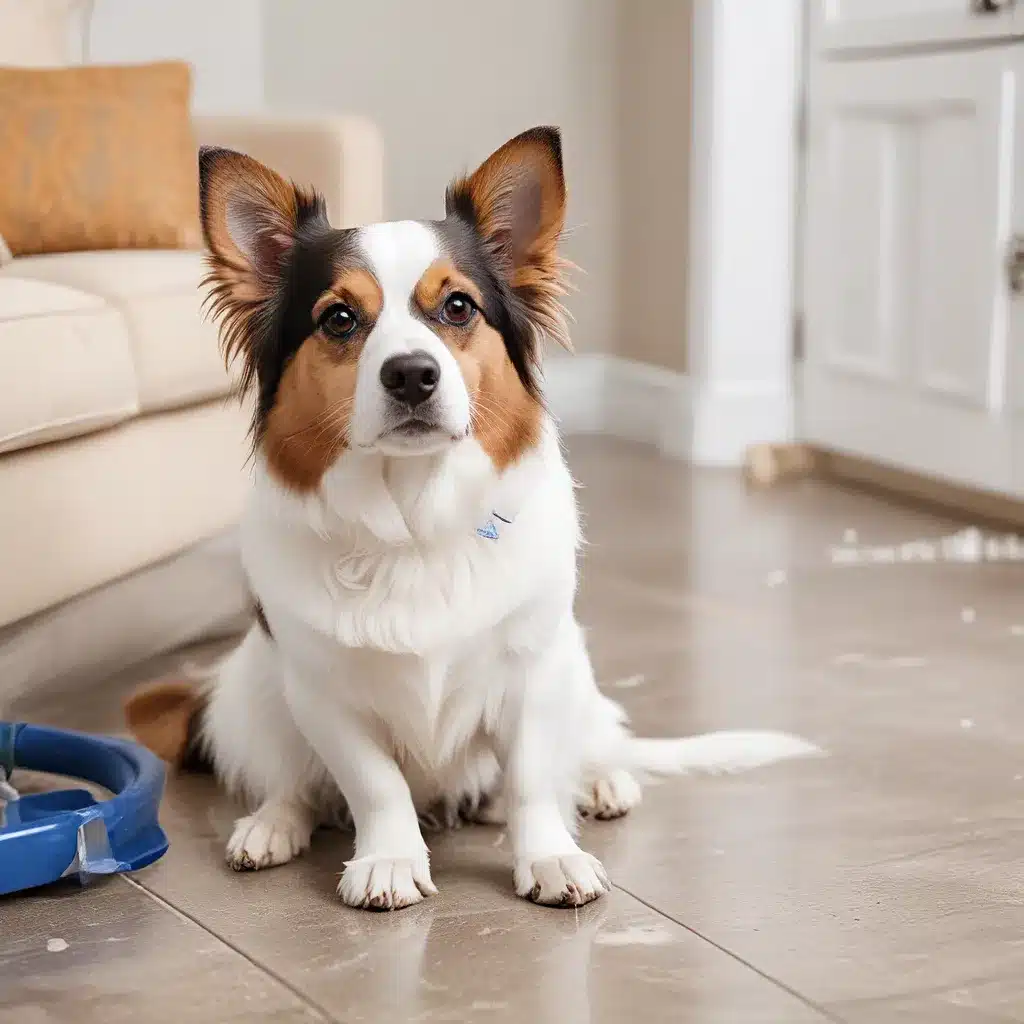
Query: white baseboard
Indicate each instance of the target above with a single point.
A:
(575, 390)
(602, 394)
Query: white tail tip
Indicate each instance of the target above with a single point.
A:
(716, 753)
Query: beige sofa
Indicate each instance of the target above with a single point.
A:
(120, 443)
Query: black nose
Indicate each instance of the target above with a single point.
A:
(411, 377)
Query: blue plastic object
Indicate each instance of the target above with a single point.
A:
(68, 833)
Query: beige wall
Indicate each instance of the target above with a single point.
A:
(654, 124)
(448, 81)
(221, 40)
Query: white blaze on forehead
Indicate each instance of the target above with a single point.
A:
(399, 254)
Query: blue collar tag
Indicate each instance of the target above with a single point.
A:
(489, 531)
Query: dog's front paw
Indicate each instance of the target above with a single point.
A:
(269, 837)
(611, 797)
(567, 881)
(385, 883)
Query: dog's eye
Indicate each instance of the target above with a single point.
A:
(338, 322)
(458, 309)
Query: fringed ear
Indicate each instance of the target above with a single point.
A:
(251, 218)
(516, 202)
(165, 717)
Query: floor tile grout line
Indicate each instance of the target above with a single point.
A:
(817, 1007)
(321, 1012)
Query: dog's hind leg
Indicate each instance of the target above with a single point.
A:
(609, 794)
(279, 830)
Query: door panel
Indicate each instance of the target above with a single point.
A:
(862, 325)
(861, 24)
(951, 168)
(909, 206)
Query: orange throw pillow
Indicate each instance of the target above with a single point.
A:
(97, 158)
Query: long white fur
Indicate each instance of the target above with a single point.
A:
(414, 663)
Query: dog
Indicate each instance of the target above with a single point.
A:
(412, 540)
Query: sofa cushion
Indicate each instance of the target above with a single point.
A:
(177, 358)
(80, 514)
(67, 359)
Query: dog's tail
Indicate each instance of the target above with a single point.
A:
(613, 745)
(714, 753)
(167, 716)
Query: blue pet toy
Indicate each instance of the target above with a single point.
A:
(68, 833)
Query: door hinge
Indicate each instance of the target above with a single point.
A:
(798, 338)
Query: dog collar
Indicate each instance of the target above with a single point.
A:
(496, 522)
(509, 500)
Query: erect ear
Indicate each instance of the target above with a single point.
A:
(251, 218)
(250, 215)
(516, 202)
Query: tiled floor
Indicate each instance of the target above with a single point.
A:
(883, 883)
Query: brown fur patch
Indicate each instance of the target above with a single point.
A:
(307, 429)
(506, 418)
(439, 280)
(164, 716)
(354, 287)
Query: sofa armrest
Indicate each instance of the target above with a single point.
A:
(339, 156)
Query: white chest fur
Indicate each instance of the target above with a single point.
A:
(383, 590)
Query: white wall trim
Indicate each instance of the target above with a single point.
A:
(729, 417)
(743, 222)
(575, 390)
(602, 394)
(743, 179)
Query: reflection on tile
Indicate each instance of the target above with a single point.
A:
(474, 948)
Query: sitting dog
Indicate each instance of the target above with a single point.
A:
(411, 538)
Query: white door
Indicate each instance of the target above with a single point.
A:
(906, 296)
(854, 24)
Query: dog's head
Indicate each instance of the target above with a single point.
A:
(402, 338)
